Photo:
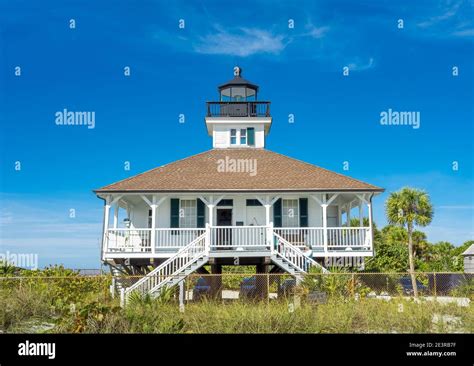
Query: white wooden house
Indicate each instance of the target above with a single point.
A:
(237, 203)
(468, 255)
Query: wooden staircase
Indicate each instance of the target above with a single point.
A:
(174, 270)
(291, 259)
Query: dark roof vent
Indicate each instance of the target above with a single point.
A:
(238, 81)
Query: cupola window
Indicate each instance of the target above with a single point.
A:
(243, 136)
(233, 136)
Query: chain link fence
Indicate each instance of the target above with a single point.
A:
(319, 287)
(247, 287)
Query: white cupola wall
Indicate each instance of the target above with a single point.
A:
(238, 119)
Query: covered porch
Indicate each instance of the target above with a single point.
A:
(321, 224)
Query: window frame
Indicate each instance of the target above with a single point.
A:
(189, 220)
(233, 136)
(243, 136)
(285, 217)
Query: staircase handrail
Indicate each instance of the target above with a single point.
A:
(298, 253)
(154, 279)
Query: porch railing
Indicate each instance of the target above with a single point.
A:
(138, 240)
(302, 237)
(235, 237)
(176, 238)
(348, 237)
(238, 109)
(129, 240)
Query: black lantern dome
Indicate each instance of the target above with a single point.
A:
(238, 89)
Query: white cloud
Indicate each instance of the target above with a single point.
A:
(464, 33)
(243, 42)
(361, 65)
(316, 32)
(448, 13)
(452, 20)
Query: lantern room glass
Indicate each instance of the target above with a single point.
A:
(238, 94)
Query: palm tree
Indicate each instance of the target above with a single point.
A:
(407, 208)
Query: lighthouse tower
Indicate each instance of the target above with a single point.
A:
(238, 119)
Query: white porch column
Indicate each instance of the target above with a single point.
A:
(270, 236)
(211, 214)
(349, 206)
(267, 214)
(267, 202)
(324, 203)
(211, 203)
(153, 206)
(207, 238)
(269, 226)
(361, 217)
(106, 225)
(325, 224)
(116, 209)
(369, 206)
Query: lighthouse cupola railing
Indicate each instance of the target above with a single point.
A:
(238, 98)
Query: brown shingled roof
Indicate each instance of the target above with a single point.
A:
(274, 172)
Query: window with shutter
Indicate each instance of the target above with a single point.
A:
(174, 216)
(303, 212)
(277, 213)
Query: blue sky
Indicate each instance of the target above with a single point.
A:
(174, 71)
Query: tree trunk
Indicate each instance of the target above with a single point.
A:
(411, 261)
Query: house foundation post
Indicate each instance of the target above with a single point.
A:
(122, 297)
(181, 296)
(216, 281)
(112, 288)
(261, 280)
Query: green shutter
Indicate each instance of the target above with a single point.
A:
(277, 213)
(303, 212)
(251, 136)
(200, 213)
(174, 218)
